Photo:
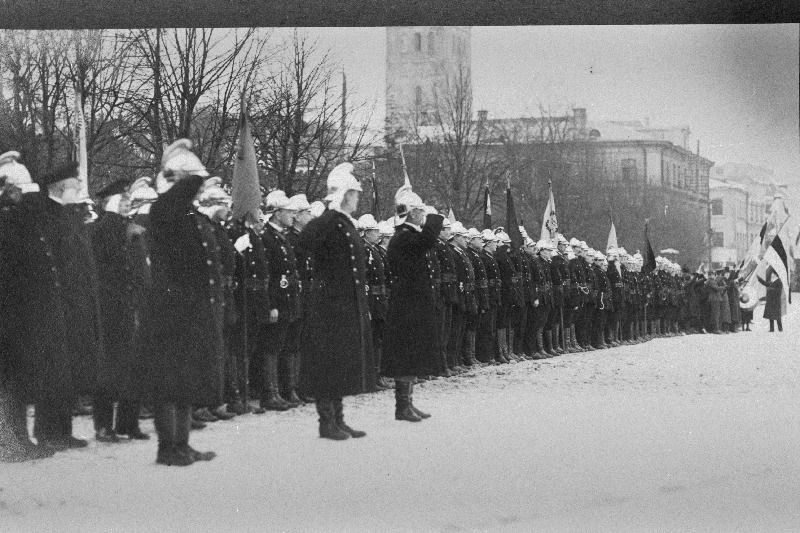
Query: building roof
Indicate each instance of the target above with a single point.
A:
(718, 184)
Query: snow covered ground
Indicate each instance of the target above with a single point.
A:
(695, 433)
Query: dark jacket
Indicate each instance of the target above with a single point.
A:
(481, 279)
(448, 289)
(465, 278)
(284, 279)
(51, 333)
(412, 332)
(183, 355)
(772, 309)
(375, 288)
(251, 275)
(337, 348)
(121, 255)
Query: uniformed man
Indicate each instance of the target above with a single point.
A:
(604, 302)
(508, 297)
(142, 195)
(559, 276)
(590, 305)
(448, 294)
(546, 250)
(579, 291)
(535, 282)
(29, 296)
(284, 295)
(215, 204)
(467, 305)
(305, 268)
(182, 363)
(475, 254)
(614, 273)
(375, 289)
(124, 275)
(486, 339)
(412, 346)
(76, 274)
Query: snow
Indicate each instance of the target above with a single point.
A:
(693, 433)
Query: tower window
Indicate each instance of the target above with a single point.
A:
(629, 169)
(418, 42)
(430, 43)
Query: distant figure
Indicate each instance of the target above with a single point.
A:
(745, 312)
(773, 311)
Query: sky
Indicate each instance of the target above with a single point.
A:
(735, 86)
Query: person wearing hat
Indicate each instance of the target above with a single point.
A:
(580, 291)
(124, 281)
(604, 302)
(574, 294)
(338, 349)
(284, 296)
(182, 363)
(251, 296)
(486, 350)
(474, 252)
(590, 308)
(448, 295)
(467, 305)
(305, 269)
(509, 298)
(411, 346)
(142, 195)
(435, 272)
(375, 288)
(614, 273)
(548, 313)
(533, 301)
(33, 307)
(213, 205)
(733, 300)
(559, 276)
(75, 272)
(714, 290)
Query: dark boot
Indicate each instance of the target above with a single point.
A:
(165, 423)
(471, 349)
(339, 414)
(539, 352)
(501, 347)
(271, 399)
(328, 429)
(548, 343)
(414, 407)
(402, 397)
(182, 424)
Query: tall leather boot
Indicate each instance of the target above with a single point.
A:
(548, 343)
(558, 340)
(512, 356)
(471, 336)
(165, 421)
(402, 398)
(414, 407)
(539, 352)
(573, 335)
(338, 408)
(328, 428)
(271, 400)
(183, 422)
(294, 379)
(501, 347)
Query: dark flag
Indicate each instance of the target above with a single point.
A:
(487, 209)
(650, 257)
(777, 258)
(375, 209)
(245, 189)
(512, 225)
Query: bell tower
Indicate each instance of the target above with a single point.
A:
(423, 63)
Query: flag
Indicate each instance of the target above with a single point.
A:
(80, 145)
(649, 255)
(512, 225)
(612, 238)
(407, 182)
(451, 216)
(375, 209)
(245, 190)
(777, 259)
(487, 208)
(549, 221)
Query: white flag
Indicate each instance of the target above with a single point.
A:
(549, 221)
(612, 238)
(80, 144)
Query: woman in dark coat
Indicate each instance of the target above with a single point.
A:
(184, 352)
(733, 301)
(337, 352)
(410, 345)
(772, 310)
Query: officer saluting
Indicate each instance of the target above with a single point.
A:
(412, 336)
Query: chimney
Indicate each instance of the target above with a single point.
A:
(580, 118)
(482, 115)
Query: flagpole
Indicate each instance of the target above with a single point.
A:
(374, 192)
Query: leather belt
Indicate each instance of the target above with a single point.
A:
(449, 278)
(256, 284)
(482, 284)
(377, 290)
(469, 287)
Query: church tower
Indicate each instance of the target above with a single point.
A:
(423, 64)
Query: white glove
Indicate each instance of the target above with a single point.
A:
(243, 243)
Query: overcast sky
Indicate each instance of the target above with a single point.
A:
(735, 86)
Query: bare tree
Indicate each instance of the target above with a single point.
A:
(299, 121)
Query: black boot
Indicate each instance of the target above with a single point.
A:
(182, 449)
(413, 407)
(328, 429)
(402, 396)
(338, 408)
(165, 423)
(272, 400)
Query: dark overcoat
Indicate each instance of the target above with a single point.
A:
(183, 349)
(376, 282)
(772, 309)
(412, 332)
(733, 301)
(284, 278)
(337, 349)
(124, 275)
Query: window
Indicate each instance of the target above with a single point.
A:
(629, 170)
(418, 42)
(718, 239)
(418, 96)
(430, 43)
(716, 206)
